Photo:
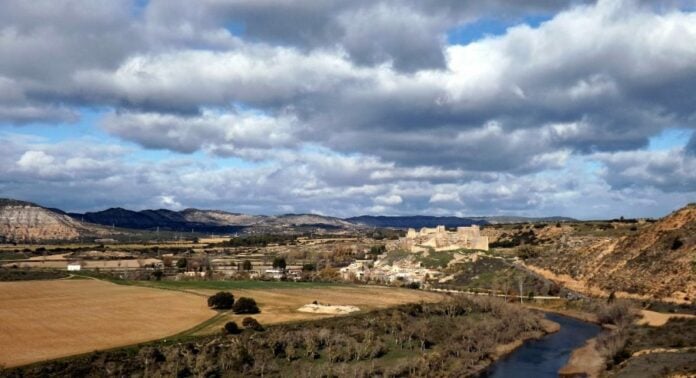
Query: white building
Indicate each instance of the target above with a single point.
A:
(74, 266)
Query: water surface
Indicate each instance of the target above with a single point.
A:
(544, 357)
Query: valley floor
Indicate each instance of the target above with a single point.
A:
(55, 318)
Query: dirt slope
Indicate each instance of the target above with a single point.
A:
(658, 260)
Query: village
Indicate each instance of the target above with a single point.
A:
(364, 261)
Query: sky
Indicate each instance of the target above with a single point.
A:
(349, 107)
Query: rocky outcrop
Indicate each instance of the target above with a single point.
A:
(24, 222)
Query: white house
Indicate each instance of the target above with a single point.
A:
(74, 266)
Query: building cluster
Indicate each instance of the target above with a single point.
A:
(403, 271)
(440, 239)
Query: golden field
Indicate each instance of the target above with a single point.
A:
(49, 319)
(43, 320)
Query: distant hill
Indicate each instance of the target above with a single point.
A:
(22, 221)
(64, 225)
(416, 221)
(419, 221)
(167, 220)
(209, 220)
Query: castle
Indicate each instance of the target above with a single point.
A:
(440, 239)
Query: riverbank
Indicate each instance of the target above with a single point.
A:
(585, 361)
(549, 327)
(544, 356)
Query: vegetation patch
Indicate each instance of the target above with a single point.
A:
(17, 274)
(456, 337)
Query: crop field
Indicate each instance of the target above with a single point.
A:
(50, 319)
(279, 301)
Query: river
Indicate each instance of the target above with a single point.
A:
(544, 357)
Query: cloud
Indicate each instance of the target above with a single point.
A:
(347, 107)
(245, 134)
(670, 171)
(391, 199)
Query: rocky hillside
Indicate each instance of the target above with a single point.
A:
(220, 218)
(24, 221)
(657, 260)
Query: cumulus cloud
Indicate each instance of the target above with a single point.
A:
(223, 133)
(351, 106)
(669, 171)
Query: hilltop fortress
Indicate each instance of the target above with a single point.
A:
(440, 239)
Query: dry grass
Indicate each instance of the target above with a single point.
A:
(281, 305)
(42, 320)
(658, 319)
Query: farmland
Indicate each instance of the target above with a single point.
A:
(280, 300)
(50, 319)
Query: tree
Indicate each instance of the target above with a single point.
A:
(251, 323)
(612, 297)
(182, 263)
(378, 249)
(245, 305)
(157, 274)
(279, 262)
(232, 328)
(246, 265)
(222, 300)
(309, 267)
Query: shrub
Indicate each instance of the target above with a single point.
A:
(246, 265)
(221, 301)
(378, 249)
(232, 328)
(676, 244)
(413, 285)
(181, 263)
(279, 263)
(245, 305)
(251, 323)
(157, 274)
(527, 252)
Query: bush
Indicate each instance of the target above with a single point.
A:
(378, 249)
(221, 301)
(413, 285)
(527, 252)
(181, 263)
(245, 305)
(232, 328)
(246, 265)
(279, 263)
(157, 275)
(251, 323)
(676, 244)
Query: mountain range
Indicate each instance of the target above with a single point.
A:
(20, 220)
